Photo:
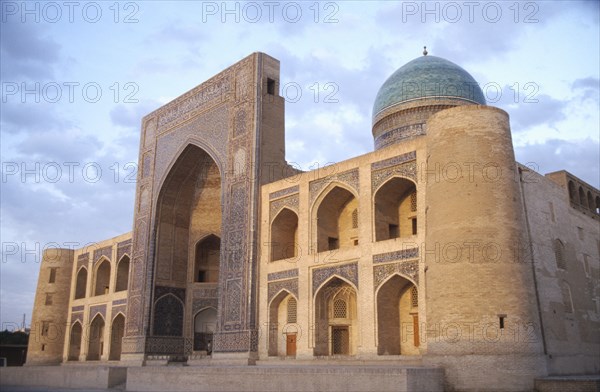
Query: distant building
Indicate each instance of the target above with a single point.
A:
(437, 246)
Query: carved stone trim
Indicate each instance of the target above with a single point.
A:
(406, 268)
(396, 255)
(347, 271)
(291, 273)
(349, 178)
(284, 192)
(290, 285)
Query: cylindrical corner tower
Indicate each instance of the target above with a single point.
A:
(482, 320)
(50, 309)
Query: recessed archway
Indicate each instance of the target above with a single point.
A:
(207, 257)
(205, 325)
(335, 226)
(122, 274)
(168, 316)
(81, 285)
(336, 327)
(284, 235)
(102, 278)
(96, 339)
(395, 209)
(116, 337)
(283, 330)
(75, 341)
(397, 317)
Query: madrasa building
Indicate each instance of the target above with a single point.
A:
(435, 252)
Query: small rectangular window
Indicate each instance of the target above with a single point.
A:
(414, 226)
(48, 299)
(270, 86)
(333, 243)
(52, 278)
(501, 318)
(45, 328)
(355, 242)
(394, 231)
(43, 347)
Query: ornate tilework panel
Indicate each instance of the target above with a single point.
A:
(347, 271)
(117, 309)
(396, 255)
(291, 273)
(120, 302)
(94, 310)
(168, 317)
(233, 301)
(190, 104)
(407, 170)
(147, 164)
(290, 285)
(77, 317)
(133, 324)
(201, 303)
(105, 251)
(406, 268)
(123, 248)
(400, 133)
(409, 156)
(164, 345)
(159, 291)
(82, 260)
(210, 126)
(236, 341)
(284, 192)
(290, 202)
(133, 344)
(206, 292)
(77, 308)
(349, 178)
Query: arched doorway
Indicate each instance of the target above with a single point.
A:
(283, 330)
(335, 319)
(75, 342)
(96, 339)
(397, 317)
(116, 337)
(205, 325)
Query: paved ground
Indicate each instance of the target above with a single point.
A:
(4, 388)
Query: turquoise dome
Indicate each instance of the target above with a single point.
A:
(427, 77)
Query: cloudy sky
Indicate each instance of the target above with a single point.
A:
(78, 77)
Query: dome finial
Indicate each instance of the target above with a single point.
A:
(424, 50)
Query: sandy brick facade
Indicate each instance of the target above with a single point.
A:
(436, 249)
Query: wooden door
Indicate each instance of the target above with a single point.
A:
(290, 345)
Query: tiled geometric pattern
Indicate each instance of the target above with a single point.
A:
(291, 285)
(406, 170)
(284, 192)
(347, 271)
(400, 133)
(349, 178)
(409, 269)
(106, 252)
(168, 316)
(94, 310)
(291, 273)
(396, 255)
(123, 248)
(290, 202)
